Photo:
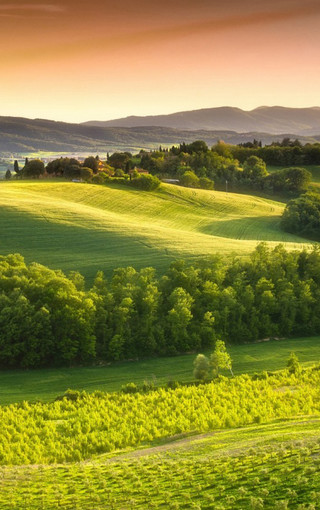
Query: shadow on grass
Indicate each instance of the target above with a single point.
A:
(261, 228)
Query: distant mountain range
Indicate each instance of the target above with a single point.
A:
(134, 133)
(265, 119)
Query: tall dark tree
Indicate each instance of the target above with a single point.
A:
(16, 167)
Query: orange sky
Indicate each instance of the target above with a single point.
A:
(82, 60)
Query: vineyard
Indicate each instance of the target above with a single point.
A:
(275, 467)
(206, 474)
(80, 426)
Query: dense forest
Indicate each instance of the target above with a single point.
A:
(48, 319)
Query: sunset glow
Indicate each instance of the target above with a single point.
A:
(79, 60)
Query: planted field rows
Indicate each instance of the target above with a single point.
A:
(272, 467)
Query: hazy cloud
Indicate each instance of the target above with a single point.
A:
(9, 9)
(214, 25)
(250, 19)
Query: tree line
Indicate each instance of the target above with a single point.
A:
(194, 165)
(285, 153)
(238, 168)
(92, 170)
(49, 319)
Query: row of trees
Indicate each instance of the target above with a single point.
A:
(90, 170)
(62, 167)
(285, 153)
(196, 165)
(48, 319)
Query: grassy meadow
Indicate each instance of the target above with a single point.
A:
(47, 384)
(72, 226)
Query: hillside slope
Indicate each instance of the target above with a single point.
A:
(23, 136)
(87, 228)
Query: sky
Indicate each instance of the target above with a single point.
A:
(82, 60)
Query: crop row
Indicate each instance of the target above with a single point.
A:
(270, 477)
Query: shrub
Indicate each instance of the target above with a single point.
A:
(206, 183)
(146, 182)
(100, 178)
(201, 367)
(190, 179)
(119, 172)
(293, 364)
(86, 173)
(129, 388)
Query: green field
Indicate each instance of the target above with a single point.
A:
(72, 226)
(45, 385)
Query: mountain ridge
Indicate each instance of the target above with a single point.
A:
(23, 135)
(270, 119)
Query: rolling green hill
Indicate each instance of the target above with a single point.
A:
(84, 227)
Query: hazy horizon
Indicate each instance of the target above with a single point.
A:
(75, 61)
(161, 114)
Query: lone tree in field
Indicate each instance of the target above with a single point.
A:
(220, 359)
